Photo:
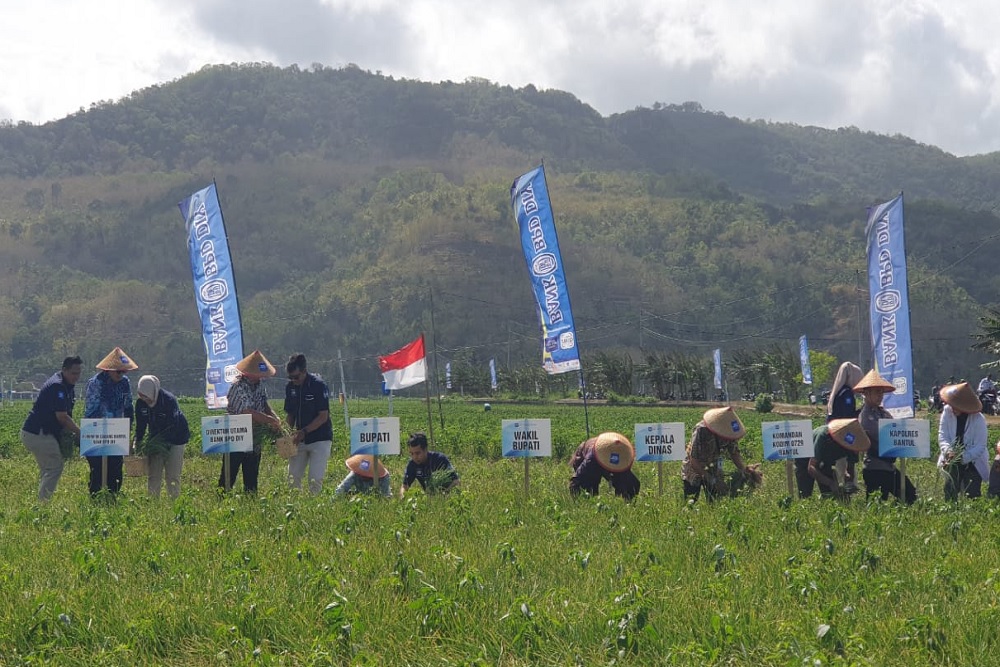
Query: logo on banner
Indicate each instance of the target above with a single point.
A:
(888, 301)
(214, 291)
(544, 264)
(567, 340)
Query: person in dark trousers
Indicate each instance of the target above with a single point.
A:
(608, 456)
(109, 395)
(962, 437)
(50, 420)
(432, 469)
(713, 438)
(880, 472)
(247, 396)
(833, 442)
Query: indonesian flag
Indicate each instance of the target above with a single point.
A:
(404, 367)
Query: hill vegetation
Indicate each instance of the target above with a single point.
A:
(362, 209)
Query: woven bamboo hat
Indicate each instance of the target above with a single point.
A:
(848, 434)
(117, 360)
(256, 365)
(361, 464)
(724, 423)
(961, 397)
(614, 452)
(874, 381)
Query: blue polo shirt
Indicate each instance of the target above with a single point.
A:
(56, 395)
(422, 473)
(307, 400)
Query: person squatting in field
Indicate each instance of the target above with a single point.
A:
(962, 437)
(608, 456)
(880, 472)
(247, 396)
(109, 396)
(713, 438)
(49, 422)
(432, 469)
(361, 479)
(157, 410)
(832, 443)
(307, 409)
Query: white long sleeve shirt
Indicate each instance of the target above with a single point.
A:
(975, 440)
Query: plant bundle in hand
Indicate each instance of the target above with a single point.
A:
(151, 446)
(67, 440)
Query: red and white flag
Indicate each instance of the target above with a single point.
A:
(404, 367)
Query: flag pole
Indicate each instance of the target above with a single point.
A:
(437, 389)
(343, 393)
(427, 401)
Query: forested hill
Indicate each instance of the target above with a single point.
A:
(359, 205)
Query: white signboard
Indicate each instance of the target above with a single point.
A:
(659, 442)
(375, 435)
(787, 440)
(524, 438)
(226, 434)
(104, 437)
(904, 438)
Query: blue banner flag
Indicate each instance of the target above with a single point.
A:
(493, 374)
(889, 304)
(807, 374)
(717, 358)
(214, 292)
(447, 375)
(530, 198)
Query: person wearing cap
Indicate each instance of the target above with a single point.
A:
(880, 472)
(426, 467)
(608, 456)
(360, 479)
(247, 396)
(157, 410)
(843, 405)
(307, 410)
(962, 437)
(713, 437)
(109, 395)
(50, 420)
(833, 442)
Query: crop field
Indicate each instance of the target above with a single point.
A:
(490, 575)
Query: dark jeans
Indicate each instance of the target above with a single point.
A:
(887, 483)
(803, 480)
(963, 478)
(734, 485)
(250, 462)
(114, 481)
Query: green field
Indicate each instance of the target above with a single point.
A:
(490, 575)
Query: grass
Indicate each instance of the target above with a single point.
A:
(491, 576)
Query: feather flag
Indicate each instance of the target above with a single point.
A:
(405, 367)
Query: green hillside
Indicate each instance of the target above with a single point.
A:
(359, 207)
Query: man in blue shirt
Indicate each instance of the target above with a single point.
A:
(432, 469)
(50, 419)
(109, 395)
(307, 409)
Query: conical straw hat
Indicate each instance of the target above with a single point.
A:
(614, 452)
(961, 397)
(117, 360)
(848, 434)
(361, 464)
(255, 364)
(724, 423)
(874, 381)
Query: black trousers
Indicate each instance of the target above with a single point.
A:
(250, 462)
(803, 480)
(887, 483)
(114, 481)
(963, 478)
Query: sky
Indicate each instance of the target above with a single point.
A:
(927, 69)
